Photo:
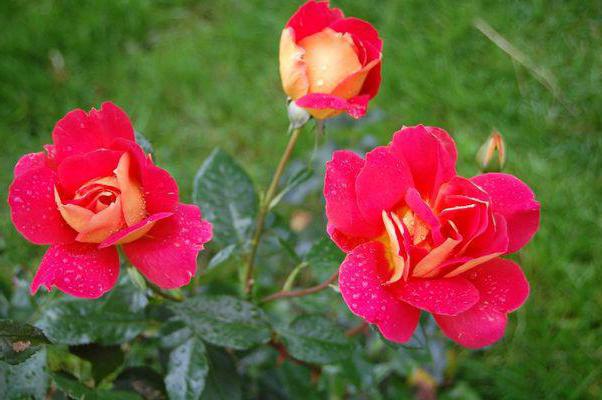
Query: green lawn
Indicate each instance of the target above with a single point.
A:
(198, 74)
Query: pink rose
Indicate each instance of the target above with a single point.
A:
(330, 64)
(93, 189)
(418, 237)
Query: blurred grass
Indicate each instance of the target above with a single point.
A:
(197, 74)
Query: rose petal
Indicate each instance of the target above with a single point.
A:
(502, 288)
(424, 212)
(330, 57)
(513, 199)
(79, 169)
(312, 17)
(322, 106)
(103, 224)
(439, 296)
(132, 200)
(427, 157)
(167, 255)
(160, 189)
(33, 210)
(78, 269)
(362, 31)
(480, 326)
(501, 284)
(343, 241)
(381, 183)
(352, 85)
(30, 161)
(293, 71)
(134, 232)
(362, 290)
(79, 132)
(339, 191)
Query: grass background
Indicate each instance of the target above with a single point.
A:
(198, 74)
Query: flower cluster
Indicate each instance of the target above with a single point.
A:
(418, 237)
(94, 188)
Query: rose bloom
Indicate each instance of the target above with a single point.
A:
(329, 64)
(93, 189)
(418, 237)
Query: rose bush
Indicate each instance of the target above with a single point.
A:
(418, 237)
(93, 189)
(330, 64)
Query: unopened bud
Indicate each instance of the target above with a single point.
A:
(492, 154)
(297, 116)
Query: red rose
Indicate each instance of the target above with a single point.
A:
(93, 189)
(420, 237)
(328, 63)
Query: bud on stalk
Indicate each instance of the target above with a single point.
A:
(492, 154)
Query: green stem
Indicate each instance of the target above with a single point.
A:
(159, 292)
(263, 211)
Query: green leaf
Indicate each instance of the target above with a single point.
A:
(187, 370)
(78, 390)
(26, 380)
(227, 198)
(223, 382)
(116, 318)
(324, 258)
(221, 257)
(316, 339)
(19, 341)
(143, 380)
(224, 321)
(144, 142)
(294, 181)
(104, 359)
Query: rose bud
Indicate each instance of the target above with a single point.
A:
(329, 64)
(492, 154)
(418, 237)
(94, 189)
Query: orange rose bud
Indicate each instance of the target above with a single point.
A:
(329, 64)
(492, 154)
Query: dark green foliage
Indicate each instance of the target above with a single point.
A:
(316, 339)
(19, 341)
(116, 318)
(227, 198)
(224, 321)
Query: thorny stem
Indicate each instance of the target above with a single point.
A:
(301, 292)
(263, 211)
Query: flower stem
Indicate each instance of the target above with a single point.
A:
(159, 292)
(301, 292)
(263, 211)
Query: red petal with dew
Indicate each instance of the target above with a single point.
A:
(450, 296)
(515, 201)
(78, 269)
(427, 157)
(381, 184)
(340, 193)
(312, 17)
(167, 255)
(80, 132)
(366, 297)
(33, 209)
